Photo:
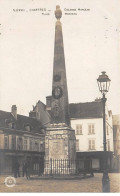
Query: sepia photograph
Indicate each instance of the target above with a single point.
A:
(59, 96)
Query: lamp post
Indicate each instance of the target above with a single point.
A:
(103, 84)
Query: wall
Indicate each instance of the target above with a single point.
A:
(109, 124)
(1, 141)
(40, 140)
(98, 136)
(83, 139)
(42, 114)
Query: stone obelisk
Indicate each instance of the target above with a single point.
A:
(59, 104)
(60, 139)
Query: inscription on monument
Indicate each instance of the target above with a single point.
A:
(56, 148)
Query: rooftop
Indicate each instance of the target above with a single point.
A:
(6, 118)
(86, 110)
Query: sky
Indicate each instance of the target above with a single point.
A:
(91, 45)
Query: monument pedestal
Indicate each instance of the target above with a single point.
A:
(60, 150)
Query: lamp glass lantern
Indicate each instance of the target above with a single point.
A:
(103, 83)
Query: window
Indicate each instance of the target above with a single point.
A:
(91, 144)
(31, 144)
(78, 129)
(19, 143)
(13, 142)
(25, 143)
(108, 145)
(41, 145)
(36, 166)
(36, 146)
(77, 145)
(6, 142)
(107, 129)
(106, 116)
(91, 129)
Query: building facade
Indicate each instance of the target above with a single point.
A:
(87, 120)
(39, 112)
(21, 139)
(116, 141)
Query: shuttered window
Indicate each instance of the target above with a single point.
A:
(91, 144)
(78, 129)
(91, 129)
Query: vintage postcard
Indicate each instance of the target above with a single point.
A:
(60, 96)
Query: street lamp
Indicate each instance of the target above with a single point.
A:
(104, 84)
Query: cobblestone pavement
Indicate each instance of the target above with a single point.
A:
(93, 184)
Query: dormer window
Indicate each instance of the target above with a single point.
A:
(13, 125)
(27, 127)
(10, 123)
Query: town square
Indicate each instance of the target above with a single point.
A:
(88, 185)
(67, 142)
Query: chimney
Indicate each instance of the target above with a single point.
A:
(48, 102)
(14, 111)
(32, 114)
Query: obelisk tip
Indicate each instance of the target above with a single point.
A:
(58, 12)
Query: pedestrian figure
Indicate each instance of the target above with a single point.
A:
(28, 170)
(16, 169)
(24, 169)
(92, 174)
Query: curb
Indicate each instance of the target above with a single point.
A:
(60, 178)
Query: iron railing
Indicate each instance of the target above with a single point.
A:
(64, 167)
